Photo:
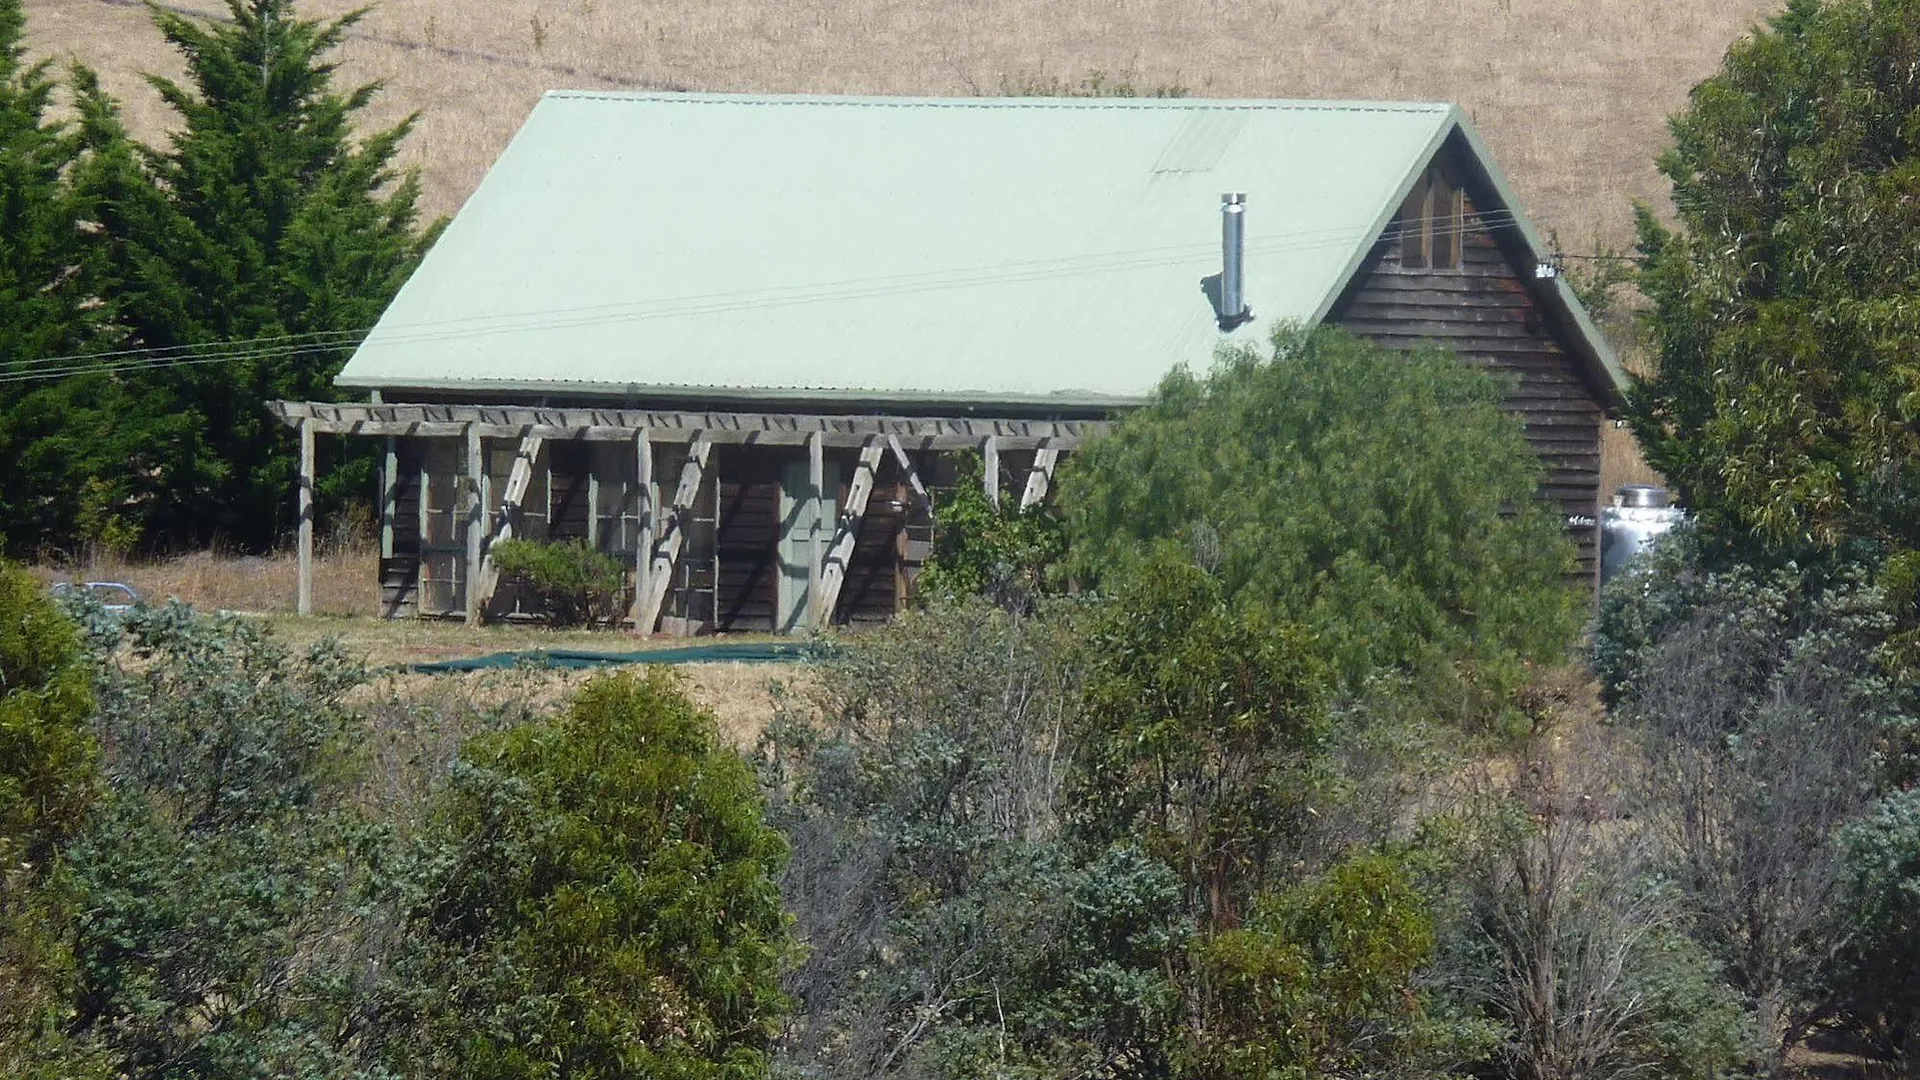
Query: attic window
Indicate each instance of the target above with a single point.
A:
(1431, 224)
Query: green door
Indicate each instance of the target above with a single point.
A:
(797, 530)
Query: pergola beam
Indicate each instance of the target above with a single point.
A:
(620, 425)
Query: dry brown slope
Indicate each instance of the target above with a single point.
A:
(1572, 94)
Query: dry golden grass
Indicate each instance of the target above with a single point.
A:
(1571, 95)
(345, 579)
(741, 696)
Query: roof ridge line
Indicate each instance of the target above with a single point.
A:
(883, 101)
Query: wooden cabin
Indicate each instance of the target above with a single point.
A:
(735, 341)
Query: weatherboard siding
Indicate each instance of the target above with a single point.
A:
(1485, 312)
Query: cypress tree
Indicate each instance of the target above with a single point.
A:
(45, 289)
(263, 220)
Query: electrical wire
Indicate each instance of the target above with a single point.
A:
(857, 288)
(288, 345)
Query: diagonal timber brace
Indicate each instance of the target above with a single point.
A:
(667, 553)
(834, 574)
(518, 481)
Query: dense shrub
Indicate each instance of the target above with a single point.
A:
(597, 899)
(576, 585)
(1381, 500)
(221, 931)
(920, 783)
(1770, 722)
(1323, 981)
(47, 752)
(1202, 734)
(1876, 980)
(1025, 840)
(1009, 554)
(47, 783)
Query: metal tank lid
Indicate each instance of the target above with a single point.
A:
(1642, 496)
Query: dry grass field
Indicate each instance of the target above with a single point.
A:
(1572, 94)
(742, 696)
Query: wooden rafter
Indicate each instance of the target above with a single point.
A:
(667, 554)
(834, 574)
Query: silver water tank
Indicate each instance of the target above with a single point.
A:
(1640, 512)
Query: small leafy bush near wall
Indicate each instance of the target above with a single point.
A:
(577, 585)
(1005, 553)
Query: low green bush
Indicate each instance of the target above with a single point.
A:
(598, 900)
(577, 585)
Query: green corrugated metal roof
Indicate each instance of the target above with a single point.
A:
(885, 249)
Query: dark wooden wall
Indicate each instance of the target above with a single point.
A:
(1484, 312)
(747, 539)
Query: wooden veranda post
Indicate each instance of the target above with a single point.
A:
(476, 523)
(816, 479)
(389, 496)
(303, 603)
(643, 533)
(990, 470)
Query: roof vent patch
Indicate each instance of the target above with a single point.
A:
(1203, 138)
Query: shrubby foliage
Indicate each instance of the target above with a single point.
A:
(1784, 308)
(1081, 841)
(1323, 981)
(576, 585)
(1381, 501)
(1571, 936)
(220, 932)
(225, 889)
(1770, 723)
(48, 781)
(1877, 978)
(1201, 735)
(598, 901)
(1007, 553)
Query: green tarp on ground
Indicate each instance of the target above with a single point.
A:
(762, 652)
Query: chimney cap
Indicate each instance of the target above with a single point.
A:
(1233, 198)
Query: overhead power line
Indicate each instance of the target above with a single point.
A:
(284, 346)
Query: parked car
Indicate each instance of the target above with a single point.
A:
(114, 597)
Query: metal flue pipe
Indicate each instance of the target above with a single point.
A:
(1233, 238)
